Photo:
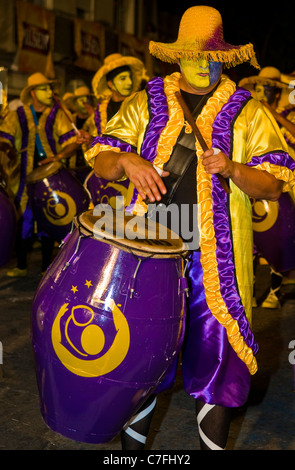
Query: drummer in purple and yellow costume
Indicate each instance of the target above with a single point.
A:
(55, 139)
(218, 354)
(267, 87)
(118, 78)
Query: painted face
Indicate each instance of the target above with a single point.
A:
(82, 104)
(44, 94)
(123, 83)
(265, 93)
(200, 73)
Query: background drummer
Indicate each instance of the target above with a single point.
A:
(268, 87)
(81, 105)
(215, 371)
(118, 78)
(37, 131)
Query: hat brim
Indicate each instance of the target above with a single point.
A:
(25, 93)
(216, 51)
(99, 81)
(265, 81)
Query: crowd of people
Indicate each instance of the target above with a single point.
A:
(131, 127)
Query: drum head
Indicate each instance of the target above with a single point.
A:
(131, 233)
(43, 171)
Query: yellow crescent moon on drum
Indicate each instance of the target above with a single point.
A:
(102, 365)
(266, 215)
(70, 213)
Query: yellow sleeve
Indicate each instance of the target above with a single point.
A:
(64, 132)
(128, 125)
(10, 130)
(258, 142)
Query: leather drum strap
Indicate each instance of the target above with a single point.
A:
(183, 154)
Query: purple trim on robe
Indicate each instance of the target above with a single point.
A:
(222, 138)
(68, 135)
(276, 158)
(113, 142)
(286, 112)
(7, 136)
(291, 144)
(49, 127)
(24, 156)
(158, 107)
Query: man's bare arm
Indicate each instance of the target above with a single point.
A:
(113, 166)
(255, 183)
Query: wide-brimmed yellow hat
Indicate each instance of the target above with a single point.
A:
(112, 62)
(268, 76)
(34, 80)
(78, 93)
(81, 91)
(200, 35)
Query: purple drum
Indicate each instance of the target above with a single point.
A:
(102, 191)
(274, 231)
(8, 224)
(80, 173)
(107, 322)
(56, 197)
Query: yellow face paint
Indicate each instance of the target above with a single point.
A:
(44, 94)
(81, 104)
(196, 72)
(260, 93)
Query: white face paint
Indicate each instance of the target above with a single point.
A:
(123, 83)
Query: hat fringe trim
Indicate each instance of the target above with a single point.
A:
(230, 58)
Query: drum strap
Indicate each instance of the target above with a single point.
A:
(182, 156)
(37, 138)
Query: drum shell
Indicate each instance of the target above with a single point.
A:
(48, 189)
(8, 224)
(277, 242)
(95, 409)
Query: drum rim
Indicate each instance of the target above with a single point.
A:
(161, 253)
(56, 167)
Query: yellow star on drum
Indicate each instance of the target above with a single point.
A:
(74, 289)
(88, 284)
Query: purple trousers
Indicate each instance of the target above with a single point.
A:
(211, 370)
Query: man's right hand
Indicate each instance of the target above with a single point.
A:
(144, 176)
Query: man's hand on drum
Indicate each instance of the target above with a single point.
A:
(144, 176)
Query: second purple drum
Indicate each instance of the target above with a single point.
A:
(56, 197)
(274, 231)
(102, 191)
(8, 226)
(107, 322)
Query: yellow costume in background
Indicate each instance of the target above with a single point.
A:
(18, 130)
